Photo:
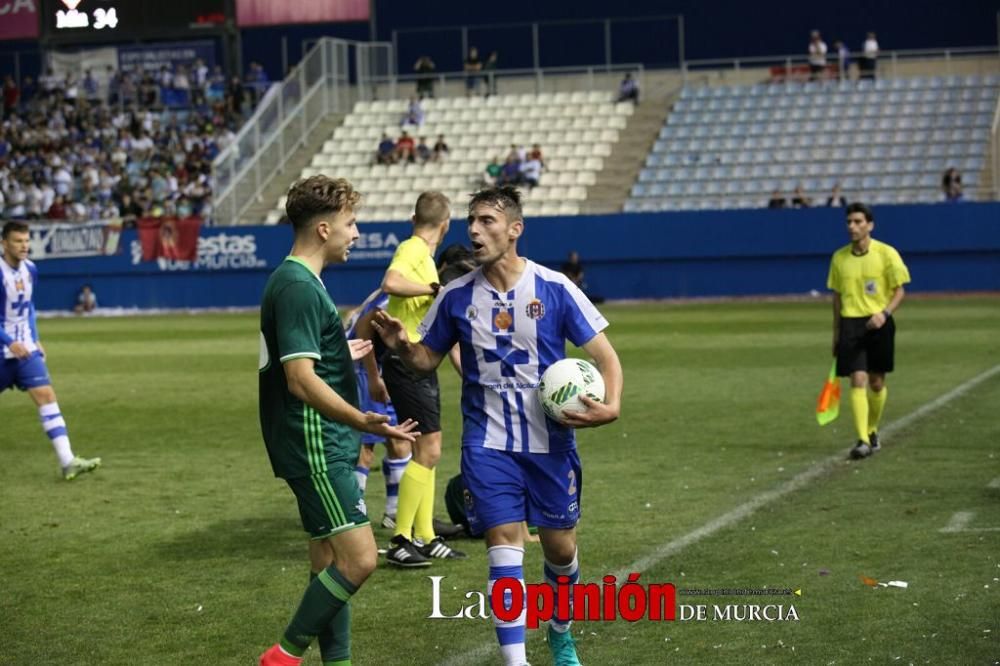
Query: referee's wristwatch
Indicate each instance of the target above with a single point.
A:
(435, 288)
(886, 314)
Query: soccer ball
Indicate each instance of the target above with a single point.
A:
(564, 382)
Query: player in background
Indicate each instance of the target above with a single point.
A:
(23, 361)
(310, 419)
(511, 319)
(867, 278)
(412, 283)
(375, 398)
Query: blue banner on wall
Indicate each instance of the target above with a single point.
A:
(652, 255)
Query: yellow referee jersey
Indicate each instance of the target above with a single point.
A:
(866, 282)
(413, 261)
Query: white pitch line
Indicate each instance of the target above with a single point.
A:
(995, 483)
(732, 517)
(958, 522)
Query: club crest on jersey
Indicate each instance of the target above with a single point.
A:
(471, 312)
(19, 284)
(535, 309)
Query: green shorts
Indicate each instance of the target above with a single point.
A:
(329, 502)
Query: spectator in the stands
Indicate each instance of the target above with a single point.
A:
(836, 198)
(441, 149)
(472, 67)
(817, 56)
(517, 153)
(536, 154)
(800, 199)
(628, 89)
(423, 151)
(843, 60)
(235, 96)
(257, 81)
(777, 200)
(490, 74)
(425, 84)
(29, 91)
(405, 147)
(531, 172)
(869, 57)
(510, 173)
(491, 174)
(414, 113)
(199, 82)
(951, 184)
(57, 211)
(11, 95)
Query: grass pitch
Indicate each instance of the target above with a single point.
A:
(184, 549)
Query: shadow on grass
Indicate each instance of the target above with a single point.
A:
(258, 537)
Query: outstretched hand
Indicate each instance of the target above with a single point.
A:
(378, 424)
(359, 348)
(596, 414)
(391, 330)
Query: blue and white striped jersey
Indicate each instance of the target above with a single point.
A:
(507, 341)
(17, 312)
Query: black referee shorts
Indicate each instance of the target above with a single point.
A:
(415, 396)
(861, 349)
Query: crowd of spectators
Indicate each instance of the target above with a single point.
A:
(520, 167)
(133, 145)
(817, 57)
(404, 150)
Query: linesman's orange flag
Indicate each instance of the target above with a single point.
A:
(828, 403)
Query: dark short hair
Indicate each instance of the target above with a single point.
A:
(316, 196)
(13, 226)
(453, 254)
(858, 207)
(504, 197)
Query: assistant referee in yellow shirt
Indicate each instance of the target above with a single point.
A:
(867, 278)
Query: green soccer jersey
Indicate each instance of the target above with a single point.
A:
(299, 320)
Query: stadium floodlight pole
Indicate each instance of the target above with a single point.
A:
(607, 44)
(535, 46)
(680, 39)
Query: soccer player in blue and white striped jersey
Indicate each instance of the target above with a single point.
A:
(511, 319)
(22, 357)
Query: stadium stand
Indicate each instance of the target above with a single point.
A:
(576, 130)
(884, 142)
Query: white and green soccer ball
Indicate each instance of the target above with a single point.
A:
(564, 382)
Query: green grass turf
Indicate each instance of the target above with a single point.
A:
(184, 549)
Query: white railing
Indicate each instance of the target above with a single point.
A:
(318, 86)
(889, 62)
(503, 81)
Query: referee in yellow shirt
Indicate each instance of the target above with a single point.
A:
(412, 283)
(867, 278)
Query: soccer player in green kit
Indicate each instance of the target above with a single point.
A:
(310, 419)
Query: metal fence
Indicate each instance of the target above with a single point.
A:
(320, 85)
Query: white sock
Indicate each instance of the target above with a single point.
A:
(508, 562)
(392, 471)
(552, 573)
(55, 427)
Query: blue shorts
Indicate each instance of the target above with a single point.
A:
(369, 405)
(24, 373)
(505, 487)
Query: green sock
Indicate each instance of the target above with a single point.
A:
(335, 639)
(326, 595)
